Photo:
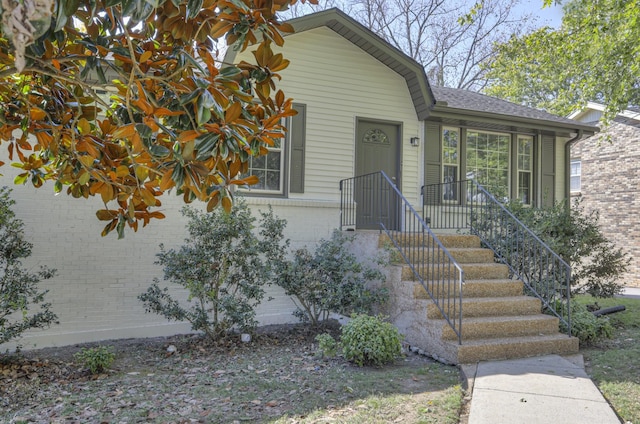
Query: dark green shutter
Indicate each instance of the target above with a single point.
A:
(297, 137)
(548, 168)
(432, 157)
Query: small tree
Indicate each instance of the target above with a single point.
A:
(575, 235)
(330, 280)
(19, 293)
(224, 266)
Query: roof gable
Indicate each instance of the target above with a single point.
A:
(593, 111)
(356, 33)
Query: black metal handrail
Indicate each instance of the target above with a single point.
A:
(468, 205)
(373, 201)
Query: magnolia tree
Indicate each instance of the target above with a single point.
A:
(126, 99)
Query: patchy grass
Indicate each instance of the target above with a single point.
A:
(614, 364)
(277, 378)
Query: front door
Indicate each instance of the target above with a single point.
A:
(377, 149)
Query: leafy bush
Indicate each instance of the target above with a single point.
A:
(19, 293)
(369, 340)
(327, 345)
(330, 280)
(574, 234)
(224, 266)
(586, 326)
(97, 359)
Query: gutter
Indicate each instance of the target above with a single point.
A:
(442, 110)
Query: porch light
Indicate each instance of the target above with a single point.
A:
(415, 141)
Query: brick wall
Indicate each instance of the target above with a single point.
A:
(99, 278)
(610, 185)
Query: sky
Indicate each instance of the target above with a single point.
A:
(551, 15)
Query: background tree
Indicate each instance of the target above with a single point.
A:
(127, 99)
(449, 38)
(593, 56)
(20, 295)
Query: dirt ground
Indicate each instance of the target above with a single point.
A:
(188, 378)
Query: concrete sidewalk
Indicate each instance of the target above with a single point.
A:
(547, 389)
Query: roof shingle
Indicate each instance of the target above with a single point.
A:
(469, 100)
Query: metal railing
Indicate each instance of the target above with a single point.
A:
(373, 201)
(468, 205)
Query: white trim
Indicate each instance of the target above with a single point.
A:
(601, 108)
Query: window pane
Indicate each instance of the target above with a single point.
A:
(488, 160)
(273, 160)
(272, 180)
(450, 186)
(268, 169)
(524, 187)
(260, 175)
(258, 162)
(576, 171)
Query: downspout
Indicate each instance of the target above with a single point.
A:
(567, 166)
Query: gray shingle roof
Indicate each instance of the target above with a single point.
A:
(468, 100)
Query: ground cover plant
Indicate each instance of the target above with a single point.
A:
(614, 364)
(276, 378)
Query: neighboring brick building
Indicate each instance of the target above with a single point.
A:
(605, 171)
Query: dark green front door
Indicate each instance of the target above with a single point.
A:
(377, 149)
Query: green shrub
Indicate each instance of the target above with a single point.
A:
(19, 292)
(369, 340)
(327, 345)
(97, 359)
(331, 279)
(574, 234)
(224, 266)
(586, 326)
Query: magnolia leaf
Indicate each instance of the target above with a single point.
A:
(193, 8)
(21, 178)
(159, 151)
(226, 204)
(106, 214)
(146, 56)
(213, 202)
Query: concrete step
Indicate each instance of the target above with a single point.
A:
(461, 255)
(503, 326)
(472, 271)
(487, 307)
(421, 239)
(515, 347)
(475, 288)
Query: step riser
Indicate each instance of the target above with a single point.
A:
(468, 354)
(495, 308)
(462, 256)
(488, 288)
(447, 240)
(516, 328)
(471, 272)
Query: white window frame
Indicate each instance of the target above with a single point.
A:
(522, 170)
(284, 166)
(451, 196)
(576, 175)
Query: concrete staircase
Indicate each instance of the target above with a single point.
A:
(499, 321)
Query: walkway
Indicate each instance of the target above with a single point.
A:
(544, 389)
